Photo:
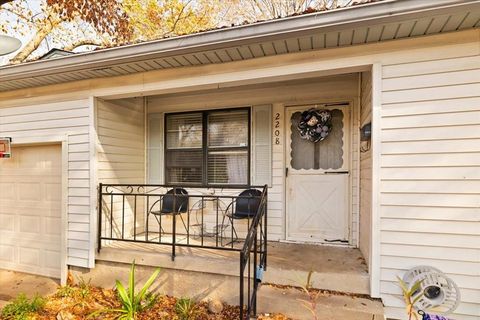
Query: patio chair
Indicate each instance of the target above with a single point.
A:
(244, 207)
(174, 202)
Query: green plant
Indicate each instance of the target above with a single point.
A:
(312, 296)
(84, 288)
(186, 309)
(21, 308)
(132, 302)
(65, 291)
(408, 297)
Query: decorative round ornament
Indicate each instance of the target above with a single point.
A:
(315, 125)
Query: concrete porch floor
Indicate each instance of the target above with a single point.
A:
(334, 267)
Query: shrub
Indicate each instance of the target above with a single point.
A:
(186, 309)
(132, 302)
(22, 307)
(65, 291)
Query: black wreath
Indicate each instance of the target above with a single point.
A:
(315, 125)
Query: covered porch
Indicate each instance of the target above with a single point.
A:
(213, 145)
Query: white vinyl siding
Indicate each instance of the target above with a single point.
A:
(430, 181)
(365, 213)
(261, 145)
(61, 120)
(121, 154)
(121, 141)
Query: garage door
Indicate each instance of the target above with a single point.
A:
(30, 210)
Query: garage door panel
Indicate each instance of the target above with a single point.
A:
(29, 256)
(33, 240)
(7, 253)
(29, 191)
(52, 259)
(52, 226)
(30, 210)
(8, 193)
(53, 191)
(30, 224)
(7, 222)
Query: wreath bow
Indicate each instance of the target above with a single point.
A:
(315, 125)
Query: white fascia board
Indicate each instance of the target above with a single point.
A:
(351, 17)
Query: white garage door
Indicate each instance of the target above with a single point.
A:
(30, 210)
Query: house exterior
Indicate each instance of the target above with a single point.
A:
(407, 195)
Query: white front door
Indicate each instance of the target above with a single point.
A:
(318, 179)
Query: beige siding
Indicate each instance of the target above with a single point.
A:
(61, 120)
(334, 88)
(430, 187)
(121, 154)
(365, 168)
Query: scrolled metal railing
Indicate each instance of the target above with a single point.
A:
(192, 217)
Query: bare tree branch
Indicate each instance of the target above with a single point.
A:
(18, 14)
(32, 45)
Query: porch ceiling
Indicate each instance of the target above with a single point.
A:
(381, 21)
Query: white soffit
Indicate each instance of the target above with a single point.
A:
(370, 23)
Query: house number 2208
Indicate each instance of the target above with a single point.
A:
(276, 126)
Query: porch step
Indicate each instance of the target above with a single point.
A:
(356, 283)
(334, 268)
(287, 301)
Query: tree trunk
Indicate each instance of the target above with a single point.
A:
(50, 23)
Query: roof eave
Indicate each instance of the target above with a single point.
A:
(356, 16)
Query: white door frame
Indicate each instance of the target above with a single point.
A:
(350, 122)
(63, 141)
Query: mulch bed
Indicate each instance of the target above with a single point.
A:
(84, 302)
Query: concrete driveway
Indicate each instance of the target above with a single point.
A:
(13, 283)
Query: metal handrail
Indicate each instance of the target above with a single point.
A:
(255, 245)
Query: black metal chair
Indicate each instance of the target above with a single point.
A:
(245, 206)
(174, 202)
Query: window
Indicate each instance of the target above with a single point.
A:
(208, 148)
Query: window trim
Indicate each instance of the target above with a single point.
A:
(205, 149)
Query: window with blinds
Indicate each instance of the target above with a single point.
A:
(208, 148)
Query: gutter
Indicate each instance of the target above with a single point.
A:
(355, 16)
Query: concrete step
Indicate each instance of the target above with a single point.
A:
(289, 301)
(357, 283)
(226, 264)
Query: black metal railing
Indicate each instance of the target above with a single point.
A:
(193, 217)
(253, 258)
